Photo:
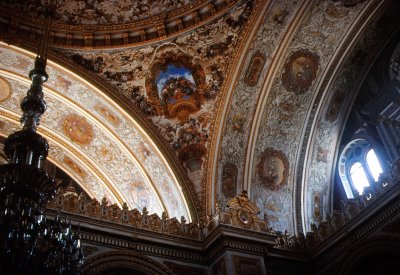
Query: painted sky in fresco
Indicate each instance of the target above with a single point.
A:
(171, 72)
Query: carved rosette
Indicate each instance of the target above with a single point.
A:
(273, 168)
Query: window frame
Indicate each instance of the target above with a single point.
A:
(349, 157)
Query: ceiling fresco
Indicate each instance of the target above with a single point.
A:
(92, 139)
(176, 84)
(334, 107)
(316, 41)
(243, 96)
(90, 12)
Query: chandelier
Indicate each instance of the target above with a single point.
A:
(30, 243)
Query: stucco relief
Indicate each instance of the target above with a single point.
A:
(299, 71)
(76, 168)
(58, 156)
(108, 114)
(254, 69)
(5, 89)
(77, 129)
(275, 208)
(108, 155)
(273, 168)
(81, 132)
(93, 12)
(176, 83)
(229, 180)
(327, 132)
(319, 26)
(244, 97)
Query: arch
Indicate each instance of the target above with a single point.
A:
(354, 155)
(318, 155)
(107, 262)
(94, 140)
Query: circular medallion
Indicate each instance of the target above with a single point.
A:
(78, 129)
(244, 216)
(5, 90)
(273, 168)
(300, 71)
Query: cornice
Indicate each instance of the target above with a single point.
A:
(148, 30)
(367, 222)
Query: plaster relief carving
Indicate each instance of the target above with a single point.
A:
(107, 114)
(229, 180)
(272, 168)
(280, 15)
(255, 68)
(242, 212)
(317, 206)
(334, 106)
(92, 12)
(182, 109)
(300, 71)
(192, 156)
(322, 155)
(74, 167)
(78, 129)
(5, 90)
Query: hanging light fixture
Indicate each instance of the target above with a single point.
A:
(29, 243)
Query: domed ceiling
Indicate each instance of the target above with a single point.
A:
(189, 106)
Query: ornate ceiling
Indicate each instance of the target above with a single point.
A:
(182, 109)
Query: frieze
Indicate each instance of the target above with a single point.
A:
(82, 205)
(345, 217)
(241, 212)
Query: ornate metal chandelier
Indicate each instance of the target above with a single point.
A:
(29, 243)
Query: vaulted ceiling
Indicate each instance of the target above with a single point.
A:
(179, 105)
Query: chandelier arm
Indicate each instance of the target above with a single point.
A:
(29, 244)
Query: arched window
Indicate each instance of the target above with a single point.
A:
(359, 167)
(358, 177)
(373, 164)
